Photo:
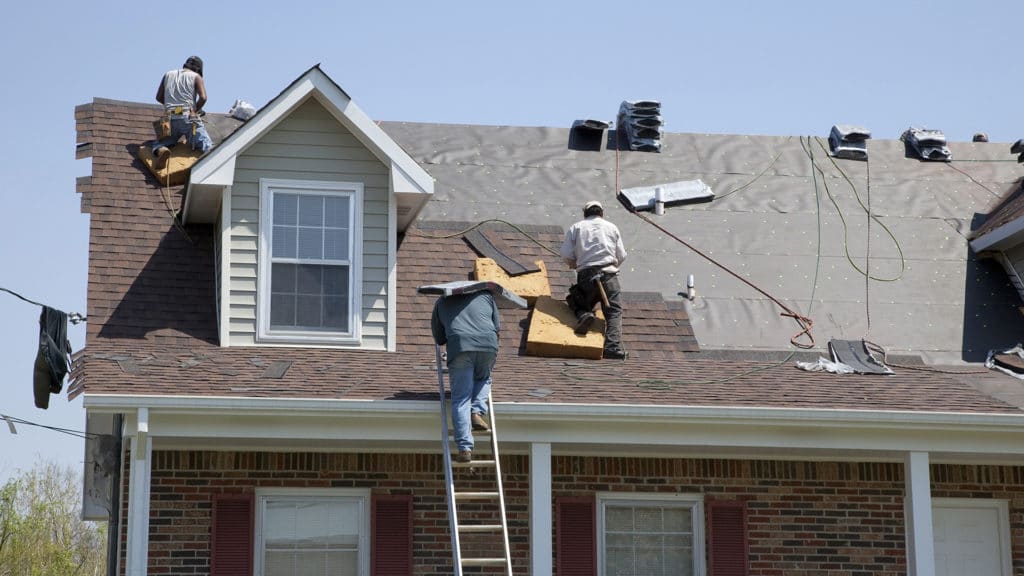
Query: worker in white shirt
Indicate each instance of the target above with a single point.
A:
(183, 93)
(593, 246)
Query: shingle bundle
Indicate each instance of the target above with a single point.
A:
(927, 144)
(639, 124)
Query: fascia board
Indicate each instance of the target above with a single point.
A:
(999, 235)
(654, 427)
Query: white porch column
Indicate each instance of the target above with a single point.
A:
(138, 497)
(917, 511)
(541, 527)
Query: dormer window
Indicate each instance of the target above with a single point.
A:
(309, 280)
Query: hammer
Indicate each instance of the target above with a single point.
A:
(600, 290)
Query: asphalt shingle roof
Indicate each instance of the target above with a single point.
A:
(152, 318)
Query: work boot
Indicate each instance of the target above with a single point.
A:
(479, 424)
(615, 355)
(464, 456)
(583, 325)
(162, 154)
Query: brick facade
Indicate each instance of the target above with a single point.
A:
(804, 518)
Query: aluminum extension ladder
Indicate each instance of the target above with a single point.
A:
(485, 509)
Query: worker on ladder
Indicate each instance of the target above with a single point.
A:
(183, 94)
(468, 325)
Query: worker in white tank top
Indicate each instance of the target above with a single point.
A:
(183, 94)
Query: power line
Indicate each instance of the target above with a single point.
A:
(12, 420)
(73, 317)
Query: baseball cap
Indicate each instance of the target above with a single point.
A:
(592, 204)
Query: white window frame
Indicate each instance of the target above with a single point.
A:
(354, 190)
(695, 502)
(360, 495)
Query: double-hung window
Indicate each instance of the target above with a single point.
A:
(309, 261)
(312, 532)
(650, 535)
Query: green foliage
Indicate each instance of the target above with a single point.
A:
(41, 530)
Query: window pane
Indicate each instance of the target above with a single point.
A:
(283, 242)
(336, 281)
(336, 211)
(336, 313)
(311, 243)
(282, 278)
(282, 311)
(286, 208)
(306, 536)
(307, 311)
(648, 539)
(336, 244)
(311, 210)
(309, 280)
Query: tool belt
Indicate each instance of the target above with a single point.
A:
(178, 110)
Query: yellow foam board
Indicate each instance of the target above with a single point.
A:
(175, 171)
(529, 286)
(551, 332)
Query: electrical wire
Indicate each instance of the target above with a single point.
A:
(12, 420)
(73, 317)
(987, 189)
(846, 243)
(759, 174)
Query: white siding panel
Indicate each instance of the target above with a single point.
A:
(308, 145)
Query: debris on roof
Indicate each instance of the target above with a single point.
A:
(672, 193)
(640, 124)
(855, 354)
(488, 244)
(849, 142)
(927, 144)
(1010, 361)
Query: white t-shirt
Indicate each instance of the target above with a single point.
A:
(594, 242)
(180, 88)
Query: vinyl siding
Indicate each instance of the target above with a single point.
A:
(308, 145)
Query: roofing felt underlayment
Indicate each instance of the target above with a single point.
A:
(799, 233)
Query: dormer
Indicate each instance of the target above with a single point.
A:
(309, 196)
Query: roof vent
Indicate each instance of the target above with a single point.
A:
(1018, 148)
(587, 134)
(848, 141)
(640, 123)
(927, 144)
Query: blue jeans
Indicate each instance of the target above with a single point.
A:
(182, 125)
(469, 374)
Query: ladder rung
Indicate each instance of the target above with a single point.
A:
(474, 464)
(483, 561)
(480, 528)
(474, 495)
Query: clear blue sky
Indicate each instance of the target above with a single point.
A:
(726, 66)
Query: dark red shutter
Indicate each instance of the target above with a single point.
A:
(575, 537)
(727, 538)
(231, 535)
(391, 530)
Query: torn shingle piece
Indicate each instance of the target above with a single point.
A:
(489, 245)
(277, 369)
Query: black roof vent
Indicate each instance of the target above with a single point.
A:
(1018, 148)
(927, 144)
(587, 135)
(639, 125)
(850, 142)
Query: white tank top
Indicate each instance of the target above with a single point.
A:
(180, 88)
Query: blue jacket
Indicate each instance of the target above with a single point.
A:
(466, 323)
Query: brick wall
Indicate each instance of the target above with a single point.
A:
(840, 519)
